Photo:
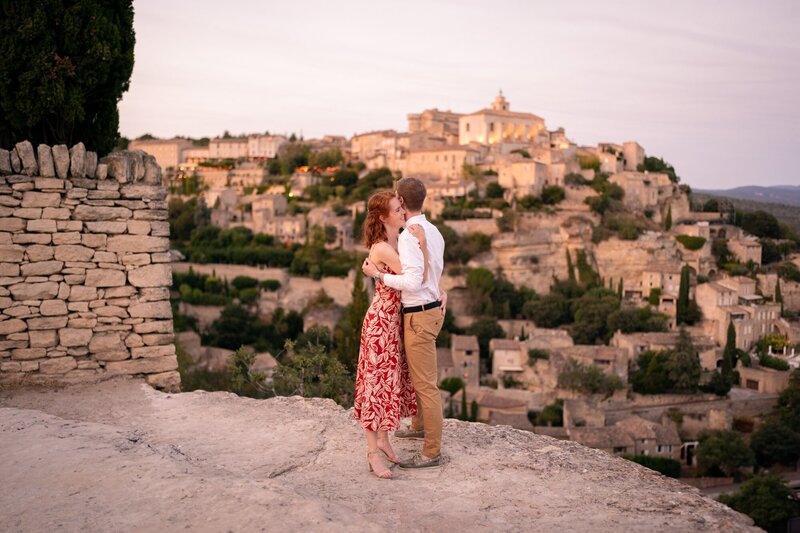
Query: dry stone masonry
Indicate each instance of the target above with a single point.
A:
(84, 267)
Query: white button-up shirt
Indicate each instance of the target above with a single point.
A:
(410, 282)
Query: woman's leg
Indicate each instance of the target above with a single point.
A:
(375, 457)
(386, 447)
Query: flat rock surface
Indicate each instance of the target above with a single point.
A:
(120, 456)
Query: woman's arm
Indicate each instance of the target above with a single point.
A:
(383, 253)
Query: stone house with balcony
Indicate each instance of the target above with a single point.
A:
(465, 354)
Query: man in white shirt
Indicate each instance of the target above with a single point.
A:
(423, 316)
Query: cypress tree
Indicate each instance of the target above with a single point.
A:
(682, 306)
(729, 354)
(464, 415)
(668, 221)
(570, 269)
(619, 289)
(778, 295)
(64, 67)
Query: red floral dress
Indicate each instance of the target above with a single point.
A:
(384, 393)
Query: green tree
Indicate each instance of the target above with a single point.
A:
(682, 305)
(64, 66)
(652, 373)
(480, 283)
(591, 316)
(243, 381)
(486, 328)
(553, 194)
(348, 331)
(668, 221)
(761, 224)
(452, 384)
(683, 364)
(570, 267)
(775, 443)
(494, 190)
(331, 157)
(789, 402)
(548, 311)
(723, 453)
(767, 500)
(311, 372)
(588, 379)
(779, 295)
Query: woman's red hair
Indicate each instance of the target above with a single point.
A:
(377, 207)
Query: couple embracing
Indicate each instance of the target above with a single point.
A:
(397, 374)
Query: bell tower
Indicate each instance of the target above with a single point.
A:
(500, 103)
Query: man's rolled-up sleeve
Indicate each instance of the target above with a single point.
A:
(413, 262)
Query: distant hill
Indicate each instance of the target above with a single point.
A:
(785, 213)
(778, 194)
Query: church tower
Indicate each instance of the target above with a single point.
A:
(500, 103)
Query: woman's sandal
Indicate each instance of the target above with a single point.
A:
(386, 474)
(395, 459)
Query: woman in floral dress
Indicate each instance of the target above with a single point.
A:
(384, 393)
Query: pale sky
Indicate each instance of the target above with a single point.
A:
(711, 86)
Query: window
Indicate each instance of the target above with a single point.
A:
(466, 127)
(491, 126)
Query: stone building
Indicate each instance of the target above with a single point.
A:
(746, 250)
(233, 148)
(368, 147)
(734, 300)
(264, 146)
(637, 343)
(445, 162)
(643, 191)
(498, 124)
(85, 259)
(465, 354)
(633, 155)
(762, 379)
(436, 123)
(169, 153)
(507, 357)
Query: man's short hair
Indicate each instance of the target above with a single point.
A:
(413, 192)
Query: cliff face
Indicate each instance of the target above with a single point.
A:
(119, 456)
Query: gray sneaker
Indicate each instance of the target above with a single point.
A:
(418, 461)
(410, 434)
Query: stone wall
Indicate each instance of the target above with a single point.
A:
(84, 267)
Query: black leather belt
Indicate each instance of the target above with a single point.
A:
(418, 308)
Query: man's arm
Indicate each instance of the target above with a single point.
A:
(413, 262)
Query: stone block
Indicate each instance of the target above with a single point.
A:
(12, 326)
(73, 253)
(102, 277)
(42, 268)
(94, 240)
(159, 228)
(91, 164)
(151, 214)
(26, 354)
(103, 195)
(135, 259)
(134, 340)
(11, 366)
(43, 338)
(5, 301)
(28, 213)
(69, 337)
(113, 355)
(12, 224)
(77, 161)
(151, 276)
(153, 294)
(69, 238)
(152, 351)
(57, 365)
(46, 166)
(78, 307)
(165, 381)
(5, 162)
(34, 291)
(69, 225)
(53, 308)
(11, 253)
(50, 322)
(49, 183)
(38, 252)
(42, 226)
(31, 238)
(90, 212)
(148, 365)
(106, 342)
(105, 257)
(137, 244)
(160, 309)
(57, 213)
(82, 323)
(119, 292)
(138, 227)
(158, 339)
(61, 160)
(80, 293)
(9, 201)
(102, 171)
(111, 310)
(28, 158)
(107, 227)
(9, 269)
(40, 199)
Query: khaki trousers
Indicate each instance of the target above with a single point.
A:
(419, 335)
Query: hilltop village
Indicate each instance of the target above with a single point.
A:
(590, 298)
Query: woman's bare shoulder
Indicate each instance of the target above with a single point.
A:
(382, 248)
